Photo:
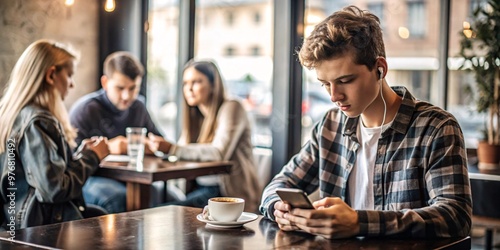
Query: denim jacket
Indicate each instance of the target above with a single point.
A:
(41, 180)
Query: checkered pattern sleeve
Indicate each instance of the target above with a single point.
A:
(300, 172)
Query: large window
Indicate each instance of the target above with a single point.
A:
(459, 103)
(412, 55)
(243, 52)
(413, 63)
(238, 35)
(162, 65)
(225, 32)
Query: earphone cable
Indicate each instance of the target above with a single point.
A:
(385, 106)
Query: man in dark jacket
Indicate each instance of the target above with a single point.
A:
(107, 112)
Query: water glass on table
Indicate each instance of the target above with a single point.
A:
(135, 143)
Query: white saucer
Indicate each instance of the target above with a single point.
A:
(244, 218)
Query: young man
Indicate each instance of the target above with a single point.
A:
(385, 163)
(107, 112)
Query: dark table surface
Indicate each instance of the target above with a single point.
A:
(175, 227)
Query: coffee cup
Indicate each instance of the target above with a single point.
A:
(225, 209)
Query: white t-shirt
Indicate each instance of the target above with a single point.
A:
(360, 181)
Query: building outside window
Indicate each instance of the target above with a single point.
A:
(256, 17)
(255, 51)
(229, 51)
(229, 18)
(378, 10)
(162, 65)
(417, 24)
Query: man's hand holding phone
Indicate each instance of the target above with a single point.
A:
(330, 217)
(291, 198)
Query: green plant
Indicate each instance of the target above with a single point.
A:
(480, 47)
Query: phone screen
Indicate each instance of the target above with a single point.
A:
(296, 198)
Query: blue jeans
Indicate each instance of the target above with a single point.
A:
(106, 193)
(198, 197)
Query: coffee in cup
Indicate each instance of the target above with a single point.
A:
(225, 209)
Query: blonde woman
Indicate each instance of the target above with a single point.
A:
(214, 128)
(41, 180)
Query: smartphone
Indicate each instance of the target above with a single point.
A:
(296, 198)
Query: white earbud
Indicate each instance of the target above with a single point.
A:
(381, 71)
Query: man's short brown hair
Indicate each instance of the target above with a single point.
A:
(125, 63)
(348, 30)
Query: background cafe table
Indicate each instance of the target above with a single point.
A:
(176, 227)
(140, 177)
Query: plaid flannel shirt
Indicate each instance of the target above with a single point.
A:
(420, 183)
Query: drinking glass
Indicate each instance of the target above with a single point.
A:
(135, 143)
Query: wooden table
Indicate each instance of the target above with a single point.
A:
(175, 227)
(140, 177)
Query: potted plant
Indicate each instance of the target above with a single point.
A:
(480, 47)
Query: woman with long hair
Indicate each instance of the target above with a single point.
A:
(41, 178)
(215, 128)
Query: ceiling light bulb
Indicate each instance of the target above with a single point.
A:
(110, 5)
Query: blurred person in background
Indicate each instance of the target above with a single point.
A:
(215, 128)
(37, 142)
(108, 112)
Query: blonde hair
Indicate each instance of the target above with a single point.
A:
(27, 85)
(199, 128)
